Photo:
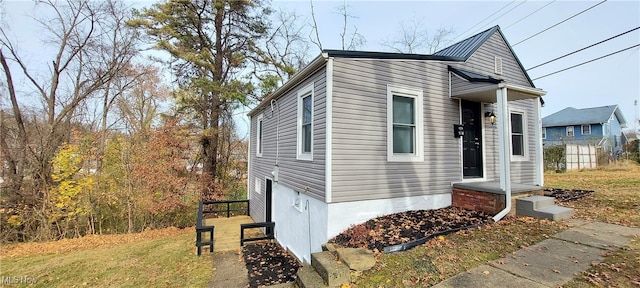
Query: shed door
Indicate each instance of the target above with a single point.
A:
(472, 140)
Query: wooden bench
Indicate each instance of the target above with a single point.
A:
(200, 229)
(269, 231)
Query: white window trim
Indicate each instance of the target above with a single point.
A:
(417, 94)
(304, 92)
(544, 133)
(525, 137)
(257, 185)
(573, 131)
(582, 129)
(259, 135)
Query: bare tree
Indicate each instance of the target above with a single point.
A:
(285, 52)
(412, 37)
(84, 60)
(349, 40)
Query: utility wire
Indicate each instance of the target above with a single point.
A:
(527, 16)
(500, 16)
(574, 52)
(554, 25)
(474, 26)
(574, 66)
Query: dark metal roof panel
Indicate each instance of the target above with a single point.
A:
(465, 48)
(386, 55)
(473, 76)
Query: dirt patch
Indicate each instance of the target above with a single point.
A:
(563, 195)
(268, 264)
(401, 228)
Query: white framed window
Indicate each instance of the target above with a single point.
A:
(257, 186)
(259, 135)
(305, 123)
(605, 129)
(586, 129)
(518, 135)
(569, 130)
(405, 141)
(544, 133)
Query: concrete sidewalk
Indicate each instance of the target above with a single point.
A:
(551, 262)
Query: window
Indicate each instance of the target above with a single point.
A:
(605, 129)
(305, 123)
(404, 125)
(259, 136)
(586, 129)
(517, 134)
(544, 133)
(570, 131)
(257, 185)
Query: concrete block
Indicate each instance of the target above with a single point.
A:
(358, 259)
(332, 272)
(309, 278)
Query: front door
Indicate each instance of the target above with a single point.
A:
(472, 140)
(267, 208)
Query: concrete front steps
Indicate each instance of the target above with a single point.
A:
(332, 267)
(542, 207)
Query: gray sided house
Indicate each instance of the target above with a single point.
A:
(356, 135)
(600, 126)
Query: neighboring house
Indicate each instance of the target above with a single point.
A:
(600, 126)
(355, 135)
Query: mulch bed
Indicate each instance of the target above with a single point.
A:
(269, 264)
(401, 228)
(563, 195)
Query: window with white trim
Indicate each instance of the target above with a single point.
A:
(570, 131)
(259, 135)
(405, 141)
(518, 135)
(257, 186)
(544, 133)
(605, 129)
(305, 123)
(586, 129)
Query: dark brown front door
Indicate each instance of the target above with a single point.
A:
(472, 140)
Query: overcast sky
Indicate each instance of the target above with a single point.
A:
(609, 81)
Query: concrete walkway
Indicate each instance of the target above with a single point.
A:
(229, 270)
(551, 262)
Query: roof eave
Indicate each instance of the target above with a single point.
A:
(316, 64)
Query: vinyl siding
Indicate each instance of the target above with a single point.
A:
(293, 173)
(522, 171)
(483, 61)
(360, 169)
(460, 86)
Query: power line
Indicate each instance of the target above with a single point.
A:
(574, 52)
(500, 16)
(527, 16)
(554, 25)
(494, 13)
(574, 66)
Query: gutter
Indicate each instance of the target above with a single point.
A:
(307, 71)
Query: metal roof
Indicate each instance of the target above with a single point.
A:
(573, 116)
(465, 48)
(473, 76)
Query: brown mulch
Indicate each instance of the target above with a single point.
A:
(564, 195)
(268, 264)
(401, 228)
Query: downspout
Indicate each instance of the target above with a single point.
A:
(504, 147)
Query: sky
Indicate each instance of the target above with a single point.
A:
(608, 81)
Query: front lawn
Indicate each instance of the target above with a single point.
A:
(158, 258)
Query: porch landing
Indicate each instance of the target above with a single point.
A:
(487, 197)
(494, 187)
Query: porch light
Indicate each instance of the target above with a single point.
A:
(491, 116)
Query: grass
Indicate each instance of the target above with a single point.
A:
(615, 201)
(617, 190)
(167, 261)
